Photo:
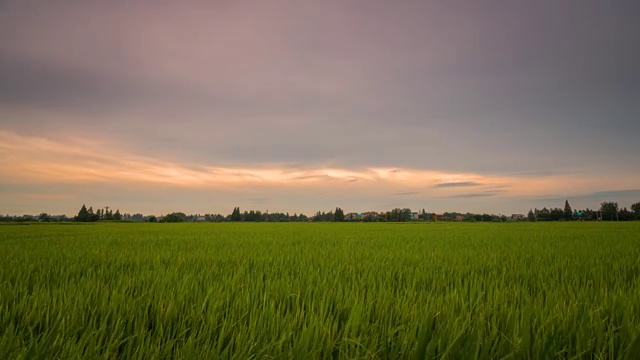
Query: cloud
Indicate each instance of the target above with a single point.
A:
(54, 174)
(548, 198)
(36, 159)
(628, 193)
(473, 195)
(30, 159)
(313, 177)
(457, 184)
(407, 193)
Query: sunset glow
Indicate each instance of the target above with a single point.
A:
(206, 106)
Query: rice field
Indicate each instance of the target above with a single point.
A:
(305, 291)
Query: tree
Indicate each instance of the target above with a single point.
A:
(338, 215)
(235, 215)
(531, 216)
(609, 211)
(568, 213)
(406, 214)
(625, 215)
(117, 215)
(44, 217)
(137, 217)
(152, 219)
(636, 210)
(83, 214)
(556, 214)
(543, 215)
(172, 218)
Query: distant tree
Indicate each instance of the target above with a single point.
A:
(44, 217)
(636, 210)
(469, 217)
(172, 218)
(568, 213)
(152, 219)
(235, 215)
(609, 211)
(543, 215)
(556, 214)
(117, 215)
(252, 216)
(486, 217)
(625, 215)
(137, 217)
(85, 215)
(338, 215)
(531, 216)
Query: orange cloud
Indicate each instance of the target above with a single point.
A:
(25, 159)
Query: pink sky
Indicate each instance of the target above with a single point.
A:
(201, 106)
(40, 163)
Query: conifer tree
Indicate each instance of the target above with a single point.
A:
(568, 213)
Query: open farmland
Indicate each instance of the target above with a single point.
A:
(299, 291)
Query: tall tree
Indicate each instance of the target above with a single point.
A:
(235, 215)
(531, 216)
(83, 214)
(338, 215)
(568, 213)
(117, 215)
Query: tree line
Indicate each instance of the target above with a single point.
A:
(608, 211)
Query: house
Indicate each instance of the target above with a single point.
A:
(517, 216)
(353, 216)
(459, 217)
(438, 217)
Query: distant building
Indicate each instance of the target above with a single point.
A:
(459, 217)
(517, 216)
(353, 216)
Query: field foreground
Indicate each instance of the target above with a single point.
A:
(302, 291)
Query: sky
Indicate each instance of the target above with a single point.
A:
(299, 106)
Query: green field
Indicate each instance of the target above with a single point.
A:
(302, 291)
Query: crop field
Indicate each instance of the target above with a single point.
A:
(303, 291)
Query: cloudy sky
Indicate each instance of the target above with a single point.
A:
(299, 106)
